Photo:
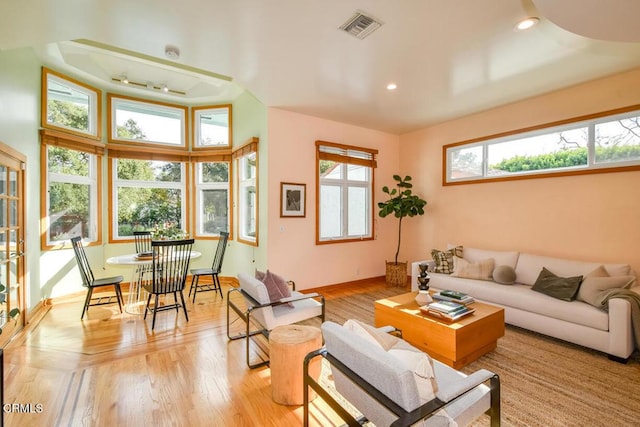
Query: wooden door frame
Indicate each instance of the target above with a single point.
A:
(17, 161)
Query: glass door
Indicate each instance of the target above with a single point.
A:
(12, 290)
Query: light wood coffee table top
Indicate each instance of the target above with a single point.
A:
(454, 343)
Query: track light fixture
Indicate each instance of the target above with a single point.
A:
(147, 85)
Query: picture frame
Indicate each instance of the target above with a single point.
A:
(293, 199)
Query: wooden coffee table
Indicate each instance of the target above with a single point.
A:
(454, 343)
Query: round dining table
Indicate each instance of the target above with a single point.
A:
(139, 266)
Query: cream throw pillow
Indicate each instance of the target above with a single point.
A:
(598, 281)
(482, 270)
(382, 339)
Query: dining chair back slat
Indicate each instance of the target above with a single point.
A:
(143, 241)
(83, 262)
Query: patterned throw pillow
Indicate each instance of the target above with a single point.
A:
(444, 259)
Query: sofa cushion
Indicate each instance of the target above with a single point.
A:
(444, 259)
(521, 297)
(529, 267)
(564, 288)
(509, 258)
(473, 270)
(504, 274)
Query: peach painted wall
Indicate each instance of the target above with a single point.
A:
(590, 217)
(291, 241)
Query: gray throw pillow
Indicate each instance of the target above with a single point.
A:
(504, 274)
(564, 288)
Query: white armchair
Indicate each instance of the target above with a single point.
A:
(265, 315)
(385, 391)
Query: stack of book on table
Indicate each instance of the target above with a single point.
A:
(453, 296)
(447, 310)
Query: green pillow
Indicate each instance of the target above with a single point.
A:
(564, 288)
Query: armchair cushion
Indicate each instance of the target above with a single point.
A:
(381, 338)
(255, 288)
(421, 365)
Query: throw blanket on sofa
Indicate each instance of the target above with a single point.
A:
(634, 300)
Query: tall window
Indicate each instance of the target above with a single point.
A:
(70, 204)
(70, 106)
(72, 195)
(212, 198)
(344, 185)
(146, 194)
(246, 158)
(607, 142)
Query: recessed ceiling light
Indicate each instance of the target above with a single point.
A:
(392, 86)
(527, 23)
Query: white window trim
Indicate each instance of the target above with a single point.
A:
(125, 183)
(203, 186)
(93, 113)
(113, 131)
(345, 184)
(244, 184)
(590, 167)
(91, 181)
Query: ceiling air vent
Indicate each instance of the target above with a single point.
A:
(360, 25)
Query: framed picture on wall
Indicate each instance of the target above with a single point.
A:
(292, 200)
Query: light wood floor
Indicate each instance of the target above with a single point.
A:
(111, 369)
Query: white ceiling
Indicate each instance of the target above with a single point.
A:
(449, 58)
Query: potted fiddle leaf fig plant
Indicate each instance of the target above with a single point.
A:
(401, 203)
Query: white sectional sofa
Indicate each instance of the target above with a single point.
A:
(577, 322)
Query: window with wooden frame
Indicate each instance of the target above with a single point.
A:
(604, 142)
(212, 204)
(146, 190)
(145, 122)
(70, 106)
(211, 127)
(345, 178)
(71, 177)
(246, 158)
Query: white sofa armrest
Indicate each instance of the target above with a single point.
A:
(620, 329)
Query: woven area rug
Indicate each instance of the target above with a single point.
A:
(544, 381)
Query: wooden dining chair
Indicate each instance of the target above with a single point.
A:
(169, 273)
(91, 283)
(143, 245)
(143, 241)
(213, 271)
